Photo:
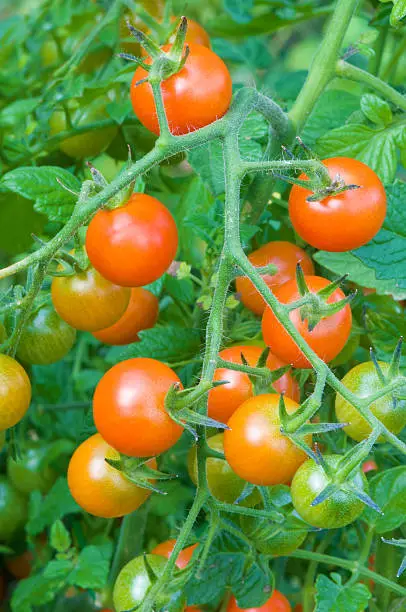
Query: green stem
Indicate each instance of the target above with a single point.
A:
(348, 71)
(393, 63)
(308, 587)
(352, 566)
(323, 66)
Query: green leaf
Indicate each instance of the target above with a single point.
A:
(168, 344)
(41, 185)
(92, 567)
(398, 13)
(180, 290)
(207, 161)
(231, 567)
(239, 9)
(383, 329)
(380, 263)
(43, 512)
(332, 110)
(119, 110)
(60, 538)
(17, 111)
(388, 490)
(35, 591)
(376, 147)
(336, 597)
(18, 221)
(376, 110)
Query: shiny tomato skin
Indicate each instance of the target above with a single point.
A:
(165, 550)
(363, 380)
(285, 256)
(254, 446)
(135, 244)
(276, 603)
(46, 338)
(142, 313)
(129, 411)
(87, 301)
(99, 488)
(13, 510)
(345, 221)
(224, 400)
(15, 392)
(224, 484)
(338, 510)
(134, 581)
(29, 473)
(327, 339)
(194, 97)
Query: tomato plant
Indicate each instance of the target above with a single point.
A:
(128, 407)
(194, 97)
(133, 244)
(141, 313)
(363, 380)
(344, 221)
(98, 487)
(327, 338)
(285, 256)
(239, 172)
(254, 445)
(87, 301)
(224, 400)
(46, 338)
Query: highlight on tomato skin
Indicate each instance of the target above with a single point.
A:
(225, 399)
(327, 338)
(282, 254)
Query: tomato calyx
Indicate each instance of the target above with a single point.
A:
(178, 402)
(392, 374)
(337, 187)
(139, 472)
(313, 307)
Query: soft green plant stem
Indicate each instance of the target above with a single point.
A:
(393, 63)
(322, 69)
(308, 587)
(352, 566)
(348, 71)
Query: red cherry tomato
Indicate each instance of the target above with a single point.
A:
(285, 256)
(327, 339)
(254, 445)
(195, 96)
(369, 466)
(99, 488)
(142, 313)
(224, 400)
(129, 411)
(165, 550)
(345, 221)
(276, 603)
(132, 245)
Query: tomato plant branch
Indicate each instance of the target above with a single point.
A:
(322, 69)
(352, 566)
(348, 71)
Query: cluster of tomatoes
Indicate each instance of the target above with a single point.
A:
(133, 245)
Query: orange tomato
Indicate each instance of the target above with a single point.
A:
(142, 313)
(224, 400)
(285, 256)
(165, 550)
(276, 603)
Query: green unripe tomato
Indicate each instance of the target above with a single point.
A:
(363, 380)
(30, 474)
(340, 509)
(3, 334)
(133, 582)
(224, 484)
(271, 538)
(94, 59)
(46, 338)
(108, 166)
(13, 510)
(88, 144)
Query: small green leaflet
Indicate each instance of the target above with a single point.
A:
(388, 490)
(41, 185)
(333, 596)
